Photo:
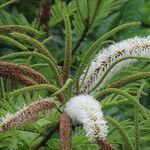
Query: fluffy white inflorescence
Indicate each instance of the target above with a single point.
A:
(87, 111)
(137, 46)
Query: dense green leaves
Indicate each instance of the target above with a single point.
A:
(76, 31)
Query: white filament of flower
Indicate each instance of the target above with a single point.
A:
(87, 111)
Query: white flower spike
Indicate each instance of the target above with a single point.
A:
(87, 111)
(137, 46)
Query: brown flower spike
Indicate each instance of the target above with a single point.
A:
(9, 68)
(65, 132)
(27, 114)
(18, 77)
(105, 145)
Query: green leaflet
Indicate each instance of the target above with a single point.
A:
(121, 131)
(130, 98)
(79, 11)
(108, 105)
(92, 13)
(57, 12)
(33, 88)
(39, 65)
(47, 40)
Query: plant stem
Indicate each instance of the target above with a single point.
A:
(46, 138)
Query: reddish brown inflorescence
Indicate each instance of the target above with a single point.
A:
(27, 114)
(105, 145)
(18, 77)
(9, 68)
(65, 132)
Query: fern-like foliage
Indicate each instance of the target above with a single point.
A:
(33, 81)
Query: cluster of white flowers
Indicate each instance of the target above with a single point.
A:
(137, 46)
(87, 111)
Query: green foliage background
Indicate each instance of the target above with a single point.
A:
(87, 26)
